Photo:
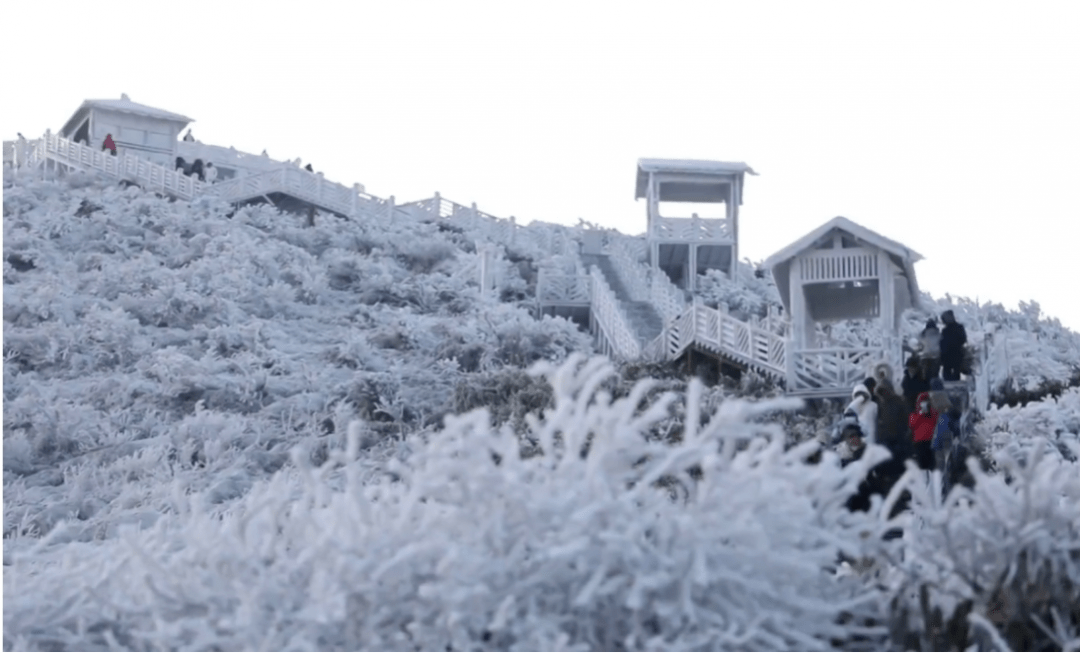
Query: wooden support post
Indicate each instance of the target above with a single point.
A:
(796, 341)
(691, 263)
(355, 208)
(886, 296)
(732, 214)
(438, 205)
(390, 209)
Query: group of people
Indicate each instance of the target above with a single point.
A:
(205, 172)
(941, 351)
(921, 424)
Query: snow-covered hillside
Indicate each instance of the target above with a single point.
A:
(226, 430)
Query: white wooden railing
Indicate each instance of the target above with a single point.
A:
(691, 229)
(642, 282)
(469, 217)
(563, 288)
(668, 299)
(229, 157)
(823, 369)
(633, 274)
(610, 320)
(306, 186)
(147, 174)
(839, 265)
(716, 331)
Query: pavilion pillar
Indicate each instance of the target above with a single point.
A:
(887, 305)
(797, 336)
(691, 267)
(732, 215)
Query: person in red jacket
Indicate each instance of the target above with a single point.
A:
(109, 144)
(923, 422)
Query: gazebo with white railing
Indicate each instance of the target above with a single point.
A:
(842, 271)
(681, 245)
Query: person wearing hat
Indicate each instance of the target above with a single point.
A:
(923, 422)
(879, 478)
(914, 382)
(851, 442)
(953, 340)
(864, 408)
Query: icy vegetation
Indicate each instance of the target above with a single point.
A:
(230, 431)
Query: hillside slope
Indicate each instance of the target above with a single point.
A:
(227, 432)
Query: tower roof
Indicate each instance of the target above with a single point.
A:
(687, 166)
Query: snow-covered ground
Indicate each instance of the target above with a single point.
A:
(227, 432)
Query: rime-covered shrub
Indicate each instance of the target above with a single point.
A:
(127, 314)
(1051, 425)
(995, 567)
(475, 547)
(507, 394)
(745, 297)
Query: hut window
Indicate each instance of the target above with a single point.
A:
(154, 139)
(133, 136)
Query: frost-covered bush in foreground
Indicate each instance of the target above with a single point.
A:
(471, 546)
(996, 567)
(1052, 425)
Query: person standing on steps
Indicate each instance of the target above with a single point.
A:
(864, 409)
(197, 170)
(930, 339)
(923, 422)
(109, 144)
(309, 168)
(188, 137)
(953, 340)
(892, 430)
(914, 382)
(210, 172)
(948, 425)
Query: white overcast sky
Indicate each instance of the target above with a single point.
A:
(953, 127)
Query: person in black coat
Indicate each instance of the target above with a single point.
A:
(914, 383)
(197, 170)
(953, 340)
(879, 478)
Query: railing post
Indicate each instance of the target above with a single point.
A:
(355, 199)
(513, 228)
(390, 209)
(474, 217)
(438, 205)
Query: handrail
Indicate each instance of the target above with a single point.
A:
(692, 229)
(562, 288)
(609, 317)
(148, 173)
(633, 276)
(666, 297)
